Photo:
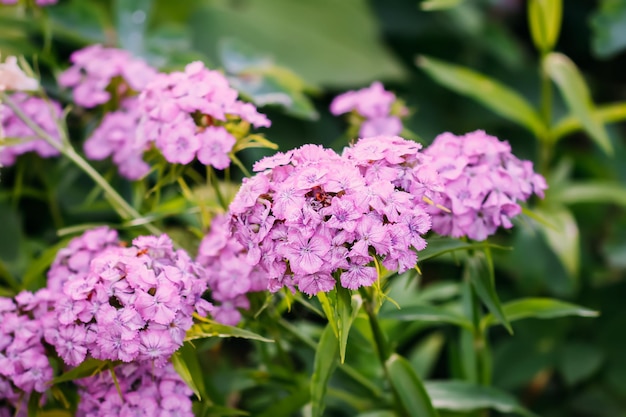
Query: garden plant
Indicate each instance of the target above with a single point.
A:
(311, 208)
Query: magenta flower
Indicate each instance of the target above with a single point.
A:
(43, 113)
(483, 183)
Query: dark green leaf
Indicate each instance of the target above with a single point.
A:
(578, 361)
(576, 94)
(83, 21)
(427, 313)
(464, 396)
(327, 42)
(380, 413)
(539, 308)
(608, 26)
(221, 411)
(545, 22)
(40, 264)
(490, 93)
(424, 357)
(326, 356)
(438, 291)
(480, 272)
(409, 388)
(287, 406)
(88, 368)
(209, 328)
(185, 361)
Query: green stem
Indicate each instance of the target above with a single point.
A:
(382, 347)
(216, 186)
(125, 210)
(546, 143)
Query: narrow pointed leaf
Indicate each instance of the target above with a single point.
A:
(409, 388)
(607, 113)
(433, 5)
(545, 22)
(326, 356)
(428, 313)
(576, 94)
(348, 306)
(591, 192)
(539, 308)
(209, 328)
(188, 367)
(440, 246)
(481, 276)
(465, 397)
(490, 93)
(562, 236)
(329, 304)
(88, 368)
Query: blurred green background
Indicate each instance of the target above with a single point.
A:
(294, 56)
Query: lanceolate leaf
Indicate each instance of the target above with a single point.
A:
(432, 5)
(490, 93)
(440, 246)
(539, 308)
(428, 313)
(480, 272)
(577, 97)
(348, 306)
(185, 361)
(88, 368)
(562, 236)
(465, 397)
(607, 113)
(409, 388)
(591, 192)
(209, 328)
(326, 356)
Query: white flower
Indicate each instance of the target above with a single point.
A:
(13, 78)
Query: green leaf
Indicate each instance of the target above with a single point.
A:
(606, 113)
(326, 356)
(434, 5)
(576, 94)
(348, 306)
(327, 42)
(221, 411)
(329, 306)
(55, 413)
(287, 406)
(441, 245)
(428, 313)
(83, 21)
(424, 357)
(409, 388)
(490, 93)
(539, 308)
(210, 328)
(481, 276)
(185, 362)
(89, 367)
(378, 413)
(465, 397)
(579, 361)
(591, 192)
(38, 266)
(562, 236)
(438, 291)
(545, 22)
(608, 28)
(131, 21)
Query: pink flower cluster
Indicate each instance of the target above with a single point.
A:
(116, 137)
(374, 105)
(146, 392)
(311, 216)
(24, 366)
(483, 183)
(43, 113)
(133, 304)
(230, 278)
(184, 113)
(98, 70)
